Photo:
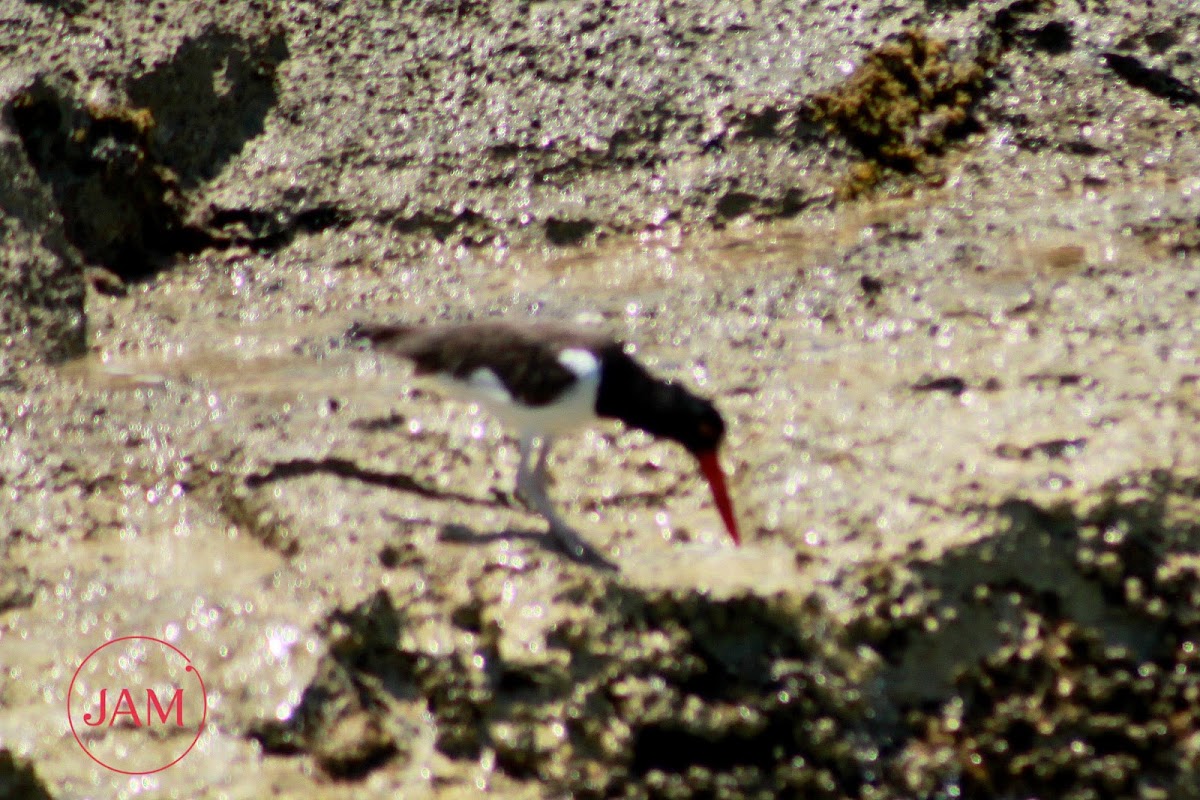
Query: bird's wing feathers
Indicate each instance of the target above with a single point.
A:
(525, 357)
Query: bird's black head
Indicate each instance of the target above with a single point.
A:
(628, 393)
(692, 421)
(634, 396)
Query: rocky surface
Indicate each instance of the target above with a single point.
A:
(41, 276)
(935, 262)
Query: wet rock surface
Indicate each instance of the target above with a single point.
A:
(934, 261)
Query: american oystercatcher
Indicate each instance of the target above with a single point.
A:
(542, 379)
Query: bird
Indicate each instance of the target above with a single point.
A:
(543, 378)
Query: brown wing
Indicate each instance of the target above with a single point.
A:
(524, 356)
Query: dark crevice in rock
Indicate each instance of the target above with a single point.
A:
(1157, 82)
(569, 231)
(120, 173)
(735, 204)
(470, 227)
(18, 779)
(951, 384)
(263, 230)
(67, 7)
(120, 208)
(668, 749)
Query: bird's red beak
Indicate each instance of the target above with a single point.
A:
(711, 468)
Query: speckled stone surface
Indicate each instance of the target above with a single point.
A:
(952, 329)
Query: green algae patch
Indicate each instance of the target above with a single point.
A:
(1055, 654)
(908, 101)
(660, 694)
(1060, 657)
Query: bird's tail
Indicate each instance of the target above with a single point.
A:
(378, 334)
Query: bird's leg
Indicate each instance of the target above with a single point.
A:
(532, 477)
(531, 488)
(526, 475)
(540, 474)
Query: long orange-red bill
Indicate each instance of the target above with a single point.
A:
(711, 468)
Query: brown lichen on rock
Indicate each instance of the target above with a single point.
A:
(907, 101)
(119, 205)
